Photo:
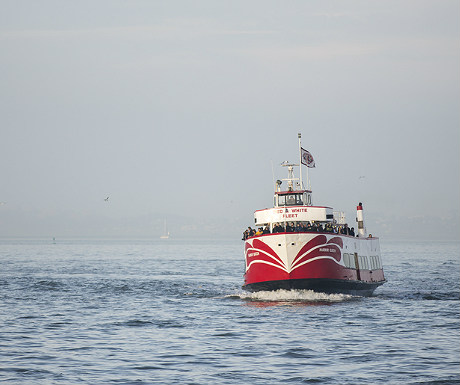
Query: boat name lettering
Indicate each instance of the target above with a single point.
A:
(327, 250)
(296, 210)
(290, 215)
(299, 210)
(253, 254)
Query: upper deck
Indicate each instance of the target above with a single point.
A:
(293, 204)
(293, 213)
(293, 210)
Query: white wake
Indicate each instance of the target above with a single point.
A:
(292, 296)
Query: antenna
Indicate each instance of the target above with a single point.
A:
(299, 135)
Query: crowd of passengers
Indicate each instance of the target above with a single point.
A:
(300, 227)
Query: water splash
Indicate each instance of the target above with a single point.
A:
(295, 296)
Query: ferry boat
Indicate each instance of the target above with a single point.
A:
(301, 246)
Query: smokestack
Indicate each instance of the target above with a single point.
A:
(362, 233)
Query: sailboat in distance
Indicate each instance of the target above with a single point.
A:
(165, 234)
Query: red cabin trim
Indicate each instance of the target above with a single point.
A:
(292, 192)
(290, 207)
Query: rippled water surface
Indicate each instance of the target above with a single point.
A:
(151, 312)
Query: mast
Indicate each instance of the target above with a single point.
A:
(300, 161)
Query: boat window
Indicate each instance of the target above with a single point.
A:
(349, 260)
(375, 262)
(290, 200)
(364, 265)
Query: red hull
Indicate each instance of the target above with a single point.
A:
(313, 261)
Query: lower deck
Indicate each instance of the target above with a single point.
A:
(331, 262)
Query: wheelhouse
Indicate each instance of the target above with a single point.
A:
(292, 198)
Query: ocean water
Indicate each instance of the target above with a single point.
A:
(172, 312)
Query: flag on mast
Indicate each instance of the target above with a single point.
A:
(307, 158)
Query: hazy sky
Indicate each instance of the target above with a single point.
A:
(177, 109)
